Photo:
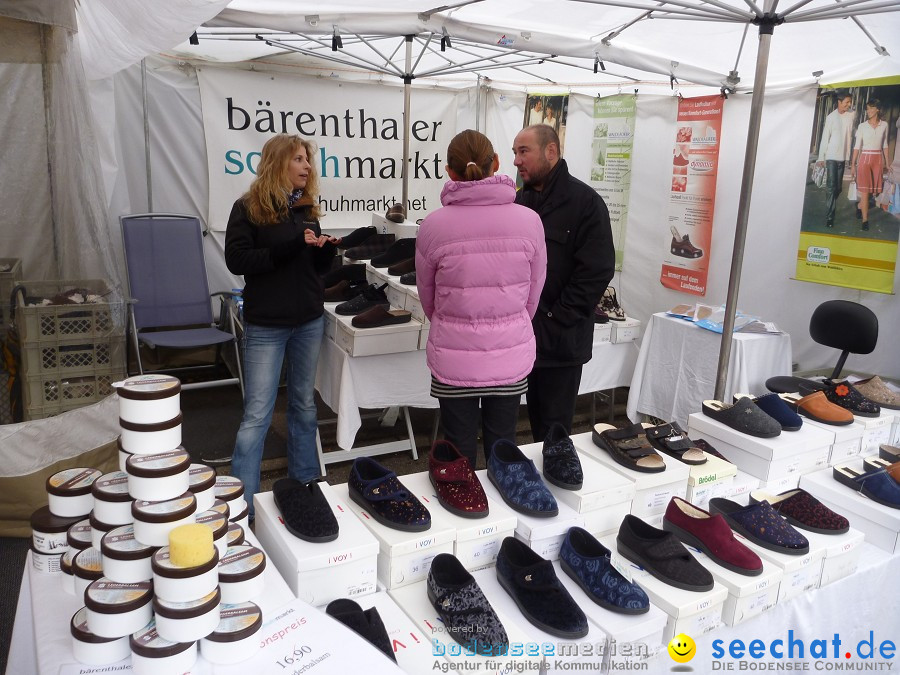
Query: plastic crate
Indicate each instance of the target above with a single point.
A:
(52, 323)
(47, 395)
(72, 358)
(7, 283)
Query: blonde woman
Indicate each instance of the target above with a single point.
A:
(273, 239)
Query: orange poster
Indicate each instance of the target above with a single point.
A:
(692, 195)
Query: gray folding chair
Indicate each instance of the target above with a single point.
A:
(169, 300)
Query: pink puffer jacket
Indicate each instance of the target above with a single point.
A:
(480, 267)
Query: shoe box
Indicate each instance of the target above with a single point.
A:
(412, 648)
(628, 330)
(544, 536)
(413, 600)
(377, 275)
(402, 337)
(847, 440)
(331, 319)
(395, 291)
(408, 228)
(652, 491)
(423, 334)
(842, 553)
(713, 478)
(414, 305)
(799, 572)
(876, 430)
(403, 557)
(879, 523)
(604, 499)
(747, 596)
(895, 428)
(603, 332)
(690, 612)
(320, 573)
(741, 485)
(791, 452)
(567, 654)
(477, 540)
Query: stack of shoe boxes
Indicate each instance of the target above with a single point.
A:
(713, 478)
(842, 552)
(628, 330)
(798, 572)
(403, 337)
(847, 442)
(876, 430)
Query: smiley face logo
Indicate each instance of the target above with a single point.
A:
(682, 648)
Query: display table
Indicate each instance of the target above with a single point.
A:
(676, 368)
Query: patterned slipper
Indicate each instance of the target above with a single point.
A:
(803, 510)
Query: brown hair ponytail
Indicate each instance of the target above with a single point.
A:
(470, 155)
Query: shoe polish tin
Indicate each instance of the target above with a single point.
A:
(149, 399)
(202, 482)
(235, 535)
(231, 491)
(45, 563)
(69, 492)
(123, 454)
(218, 523)
(112, 502)
(183, 584)
(155, 478)
(148, 439)
(125, 559)
(242, 518)
(187, 620)
(98, 529)
(221, 507)
(151, 654)
(117, 610)
(48, 532)
(68, 576)
(94, 650)
(241, 573)
(87, 567)
(234, 640)
(154, 520)
(79, 536)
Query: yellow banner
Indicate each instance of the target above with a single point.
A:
(867, 264)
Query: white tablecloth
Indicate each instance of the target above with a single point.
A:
(676, 367)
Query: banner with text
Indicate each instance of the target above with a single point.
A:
(611, 160)
(692, 195)
(357, 128)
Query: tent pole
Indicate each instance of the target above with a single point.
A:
(407, 90)
(478, 104)
(46, 35)
(767, 26)
(146, 136)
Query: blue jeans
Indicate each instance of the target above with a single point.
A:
(265, 348)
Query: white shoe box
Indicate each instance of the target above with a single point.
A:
(628, 330)
(879, 523)
(414, 305)
(710, 479)
(568, 654)
(413, 600)
(403, 557)
(792, 452)
(412, 648)
(330, 319)
(847, 440)
(396, 292)
(319, 573)
(402, 337)
(876, 430)
(742, 485)
(748, 596)
(544, 536)
(477, 540)
(630, 637)
(799, 572)
(652, 491)
(408, 228)
(423, 335)
(376, 275)
(691, 612)
(603, 332)
(841, 553)
(895, 428)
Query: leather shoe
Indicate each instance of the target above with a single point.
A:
(816, 407)
(402, 267)
(372, 246)
(400, 250)
(345, 290)
(370, 297)
(357, 237)
(396, 213)
(379, 315)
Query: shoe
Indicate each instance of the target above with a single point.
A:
(878, 392)
(455, 483)
(712, 535)
(467, 615)
(889, 452)
(776, 408)
(628, 447)
(865, 225)
(599, 315)
(533, 585)
(357, 237)
(400, 250)
(587, 562)
(367, 624)
(396, 213)
(671, 439)
(683, 248)
(788, 384)
(803, 510)
(379, 315)
(561, 464)
(744, 416)
(408, 279)
(704, 445)
(846, 395)
(876, 485)
(345, 290)
(816, 407)
(372, 246)
(377, 489)
(662, 555)
(402, 267)
(305, 511)
(371, 296)
(518, 481)
(344, 272)
(762, 525)
(829, 223)
(609, 303)
(858, 213)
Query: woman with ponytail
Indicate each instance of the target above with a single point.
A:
(480, 267)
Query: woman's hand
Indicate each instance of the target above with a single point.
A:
(312, 240)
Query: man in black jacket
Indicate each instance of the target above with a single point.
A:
(580, 264)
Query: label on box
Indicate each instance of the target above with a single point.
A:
(657, 500)
(486, 553)
(761, 600)
(621, 565)
(418, 567)
(708, 621)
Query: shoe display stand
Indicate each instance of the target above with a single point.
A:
(403, 557)
(628, 330)
(477, 540)
(769, 459)
(799, 572)
(847, 440)
(747, 596)
(879, 523)
(604, 498)
(319, 573)
(412, 648)
(544, 536)
(876, 430)
(713, 478)
(842, 553)
(413, 599)
(690, 612)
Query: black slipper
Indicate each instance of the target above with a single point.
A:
(305, 511)
(366, 623)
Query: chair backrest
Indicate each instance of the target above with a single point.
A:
(166, 270)
(844, 325)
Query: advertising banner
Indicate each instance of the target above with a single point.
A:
(851, 205)
(611, 160)
(358, 129)
(692, 195)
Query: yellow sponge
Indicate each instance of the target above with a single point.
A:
(191, 545)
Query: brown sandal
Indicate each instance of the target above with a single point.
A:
(628, 447)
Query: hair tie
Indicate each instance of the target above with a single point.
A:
(471, 164)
